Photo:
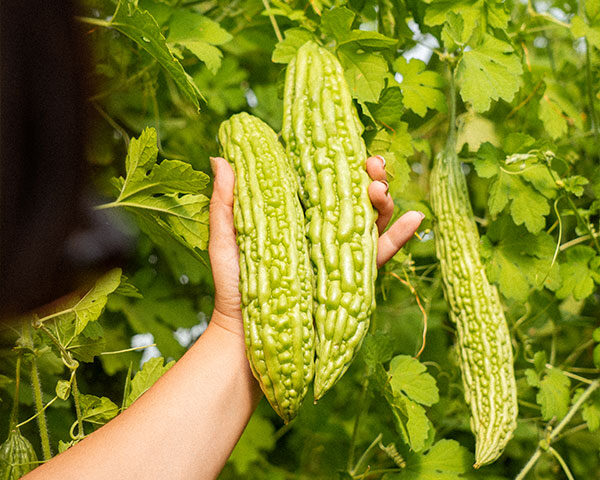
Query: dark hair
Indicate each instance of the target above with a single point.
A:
(42, 166)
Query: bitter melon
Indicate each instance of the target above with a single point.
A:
(323, 140)
(276, 277)
(17, 456)
(483, 337)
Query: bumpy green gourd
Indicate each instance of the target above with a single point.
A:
(323, 139)
(482, 333)
(17, 456)
(276, 277)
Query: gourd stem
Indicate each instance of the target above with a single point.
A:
(451, 140)
(39, 408)
(15, 408)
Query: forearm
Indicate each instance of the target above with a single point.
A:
(184, 427)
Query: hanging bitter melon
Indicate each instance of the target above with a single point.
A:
(483, 337)
(323, 140)
(276, 277)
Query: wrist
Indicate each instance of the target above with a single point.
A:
(231, 321)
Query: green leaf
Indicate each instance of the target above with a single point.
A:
(540, 360)
(472, 12)
(533, 379)
(575, 184)
(256, 439)
(577, 275)
(420, 87)
(141, 27)
(89, 344)
(525, 186)
(127, 289)
(591, 31)
(377, 348)
(287, 48)
(490, 71)
(199, 34)
(368, 39)
(553, 396)
(89, 307)
(223, 90)
(151, 371)
(63, 389)
(518, 260)
(337, 22)
(63, 446)
(409, 376)
(389, 109)
(365, 72)
(445, 460)
(413, 424)
(97, 410)
(591, 415)
(395, 147)
(453, 32)
(145, 176)
(556, 112)
(164, 197)
(440, 11)
(186, 25)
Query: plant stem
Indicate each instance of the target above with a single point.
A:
(75, 392)
(562, 462)
(15, 408)
(556, 431)
(585, 224)
(529, 465)
(94, 21)
(132, 349)
(39, 408)
(67, 358)
(364, 458)
(576, 211)
(273, 21)
(573, 410)
(362, 408)
(34, 416)
(572, 375)
(578, 240)
(576, 353)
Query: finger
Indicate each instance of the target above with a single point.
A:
(398, 234)
(221, 202)
(376, 168)
(383, 203)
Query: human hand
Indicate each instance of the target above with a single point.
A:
(223, 250)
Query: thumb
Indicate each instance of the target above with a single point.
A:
(221, 202)
(224, 181)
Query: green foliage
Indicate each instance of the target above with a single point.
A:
(168, 73)
(553, 396)
(141, 27)
(152, 370)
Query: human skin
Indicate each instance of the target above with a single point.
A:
(186, 425)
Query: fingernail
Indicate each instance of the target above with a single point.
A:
(213, 165)
(386, 184)
(380, 157)
(421, 214)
